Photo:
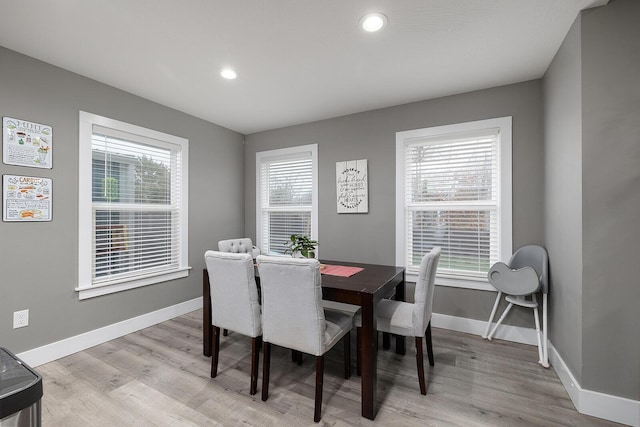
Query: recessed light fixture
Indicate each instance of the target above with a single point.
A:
(372, 22)
(228, 74)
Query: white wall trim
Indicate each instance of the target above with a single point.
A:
(477, 327)
(56, 350)
(596, 404)
(587, 402)
(593, 403)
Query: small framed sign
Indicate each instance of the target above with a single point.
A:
(352, 186)
(26, 198)
(26, 143)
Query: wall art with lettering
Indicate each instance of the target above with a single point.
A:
(352, 186)
(26, 198)
(26, 143)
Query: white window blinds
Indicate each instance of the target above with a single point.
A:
(452, 200)
(136, 195)
(286, 196)
(453, 190)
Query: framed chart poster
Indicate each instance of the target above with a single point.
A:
(352, 186)
(26, 143)
(26, 198)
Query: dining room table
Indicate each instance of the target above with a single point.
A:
(365, 288)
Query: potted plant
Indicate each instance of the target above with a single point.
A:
(299, 243)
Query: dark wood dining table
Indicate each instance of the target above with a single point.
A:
(365, 289)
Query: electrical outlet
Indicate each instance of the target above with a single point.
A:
(20, 319)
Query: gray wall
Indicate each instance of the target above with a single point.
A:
(611, 198)
(38, 261)
(371, 135)
(562, 86)
(592, 198)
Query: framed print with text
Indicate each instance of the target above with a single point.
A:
(352, 188)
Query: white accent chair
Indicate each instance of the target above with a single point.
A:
(526, 274)
(242, 245)
(411, 319)
(234, 304)
(293, 316)
(239, 246)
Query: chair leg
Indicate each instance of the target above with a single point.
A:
(317, 413)
(265, 370)
(296, 357)
(536, 318)
(255, 361)
(215, 351)
(504, 314)
(420, 363)
(386, 340)
(545, 338)
(347, 355)
(225, 332)
(358, 352)
(493, 313)
(429, 344)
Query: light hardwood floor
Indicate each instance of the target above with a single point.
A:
(159, 376)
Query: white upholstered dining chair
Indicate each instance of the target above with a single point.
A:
(234, 304)
(242, 245)
(293, 316)
(411, 319)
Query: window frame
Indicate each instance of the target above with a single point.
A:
(296, 152)
(86, 235)
(505, 205)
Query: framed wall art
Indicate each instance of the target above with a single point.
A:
(352, 186)
(26, 198)
(26, 143)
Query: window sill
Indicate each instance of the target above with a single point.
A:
(458, 282)
(92, 291)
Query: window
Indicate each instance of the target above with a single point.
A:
(286, 196)
(133, 193)
(453, 190)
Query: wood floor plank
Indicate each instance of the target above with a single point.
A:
(159, 377)
(157, 408)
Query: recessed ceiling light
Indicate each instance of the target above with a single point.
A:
(228, 74)
(372, 22)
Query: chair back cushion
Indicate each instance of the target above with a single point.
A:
(236, 246)
(292, 311)
(234, 295)
(425, 287)
(536, 257)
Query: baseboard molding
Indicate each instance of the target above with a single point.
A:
(609, 407)
(593, 403)
(477, 327)
(50, 352)
(596, 404)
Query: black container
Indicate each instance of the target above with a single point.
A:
(20, 392)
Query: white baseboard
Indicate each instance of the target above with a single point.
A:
(593, 403)
(477, 327)
(596, 404)
(50, 352)
(587, 402)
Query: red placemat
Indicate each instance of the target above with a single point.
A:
(340, 270)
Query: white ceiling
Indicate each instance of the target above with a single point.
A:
(297, 60)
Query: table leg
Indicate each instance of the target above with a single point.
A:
(369, 350)
(206, 314)
(400, 340)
